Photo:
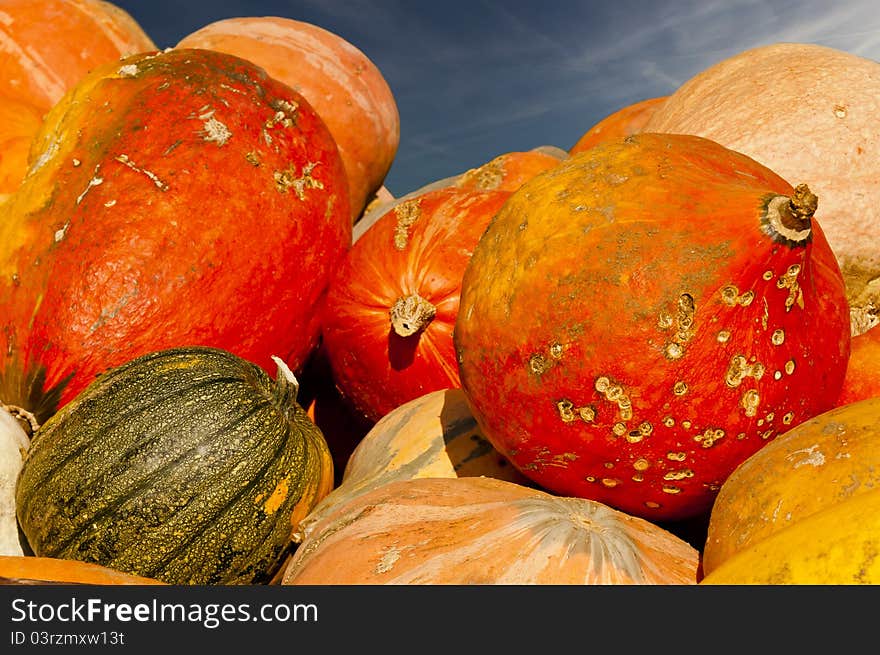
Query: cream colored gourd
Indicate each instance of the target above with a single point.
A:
(809, 113)
(14, 443)
(433, 436)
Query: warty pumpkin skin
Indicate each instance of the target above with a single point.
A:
(187, 465)
(478, 530)
(862, 378)
(21, 570)
(808, 112)
(180, 198)
(344, 86)
(818, 464)
(46, 47)
(433, 436)
(622, 123)
(391, 306)
(637, 321)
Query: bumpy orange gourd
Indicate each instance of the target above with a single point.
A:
(809, 113)
(344, 85)
(619, 124)
(862, 378)
(46, 47)
(178, 198)
(485, 531)
(816, 465)
(637, 321)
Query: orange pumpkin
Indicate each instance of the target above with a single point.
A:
(814, 466)
(19, 122)
(26, 570)
(47, 47)
(346, 88)
(637, 321)
(619, 124)
(390, 308)
(863, 371)
(485, 531)
(506, 172)
(808, 112)
(211, 209)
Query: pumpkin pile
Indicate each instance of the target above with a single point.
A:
(229, 354)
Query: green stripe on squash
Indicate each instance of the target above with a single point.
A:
(187, 465)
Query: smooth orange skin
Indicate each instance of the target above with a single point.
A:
(19, 122)
(48, 46)
(189, 238)
(507, 172)
(862, 379)
(376, 369)
(565, 292)
(619, 124)
(29, 570)
(345, 87)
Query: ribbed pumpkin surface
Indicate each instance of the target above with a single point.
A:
(186, 465)
(433, 436)
(485, 531)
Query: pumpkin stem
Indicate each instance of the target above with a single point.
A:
(790, 219)
(411, 313)
(286, 385)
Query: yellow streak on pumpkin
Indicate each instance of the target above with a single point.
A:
(407, 213)
(278, 495)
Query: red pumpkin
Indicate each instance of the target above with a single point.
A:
(194, 201)
(639, 320)
(391, 307)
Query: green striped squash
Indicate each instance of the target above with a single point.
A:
(187, 465)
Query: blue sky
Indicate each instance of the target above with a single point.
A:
(476, 78)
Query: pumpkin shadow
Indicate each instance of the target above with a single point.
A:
(402, 350)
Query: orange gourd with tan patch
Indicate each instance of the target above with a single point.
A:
(478, 530)
(637, 321)
(178, 198)
(622, 123)
(47, 47)
(345, 87)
